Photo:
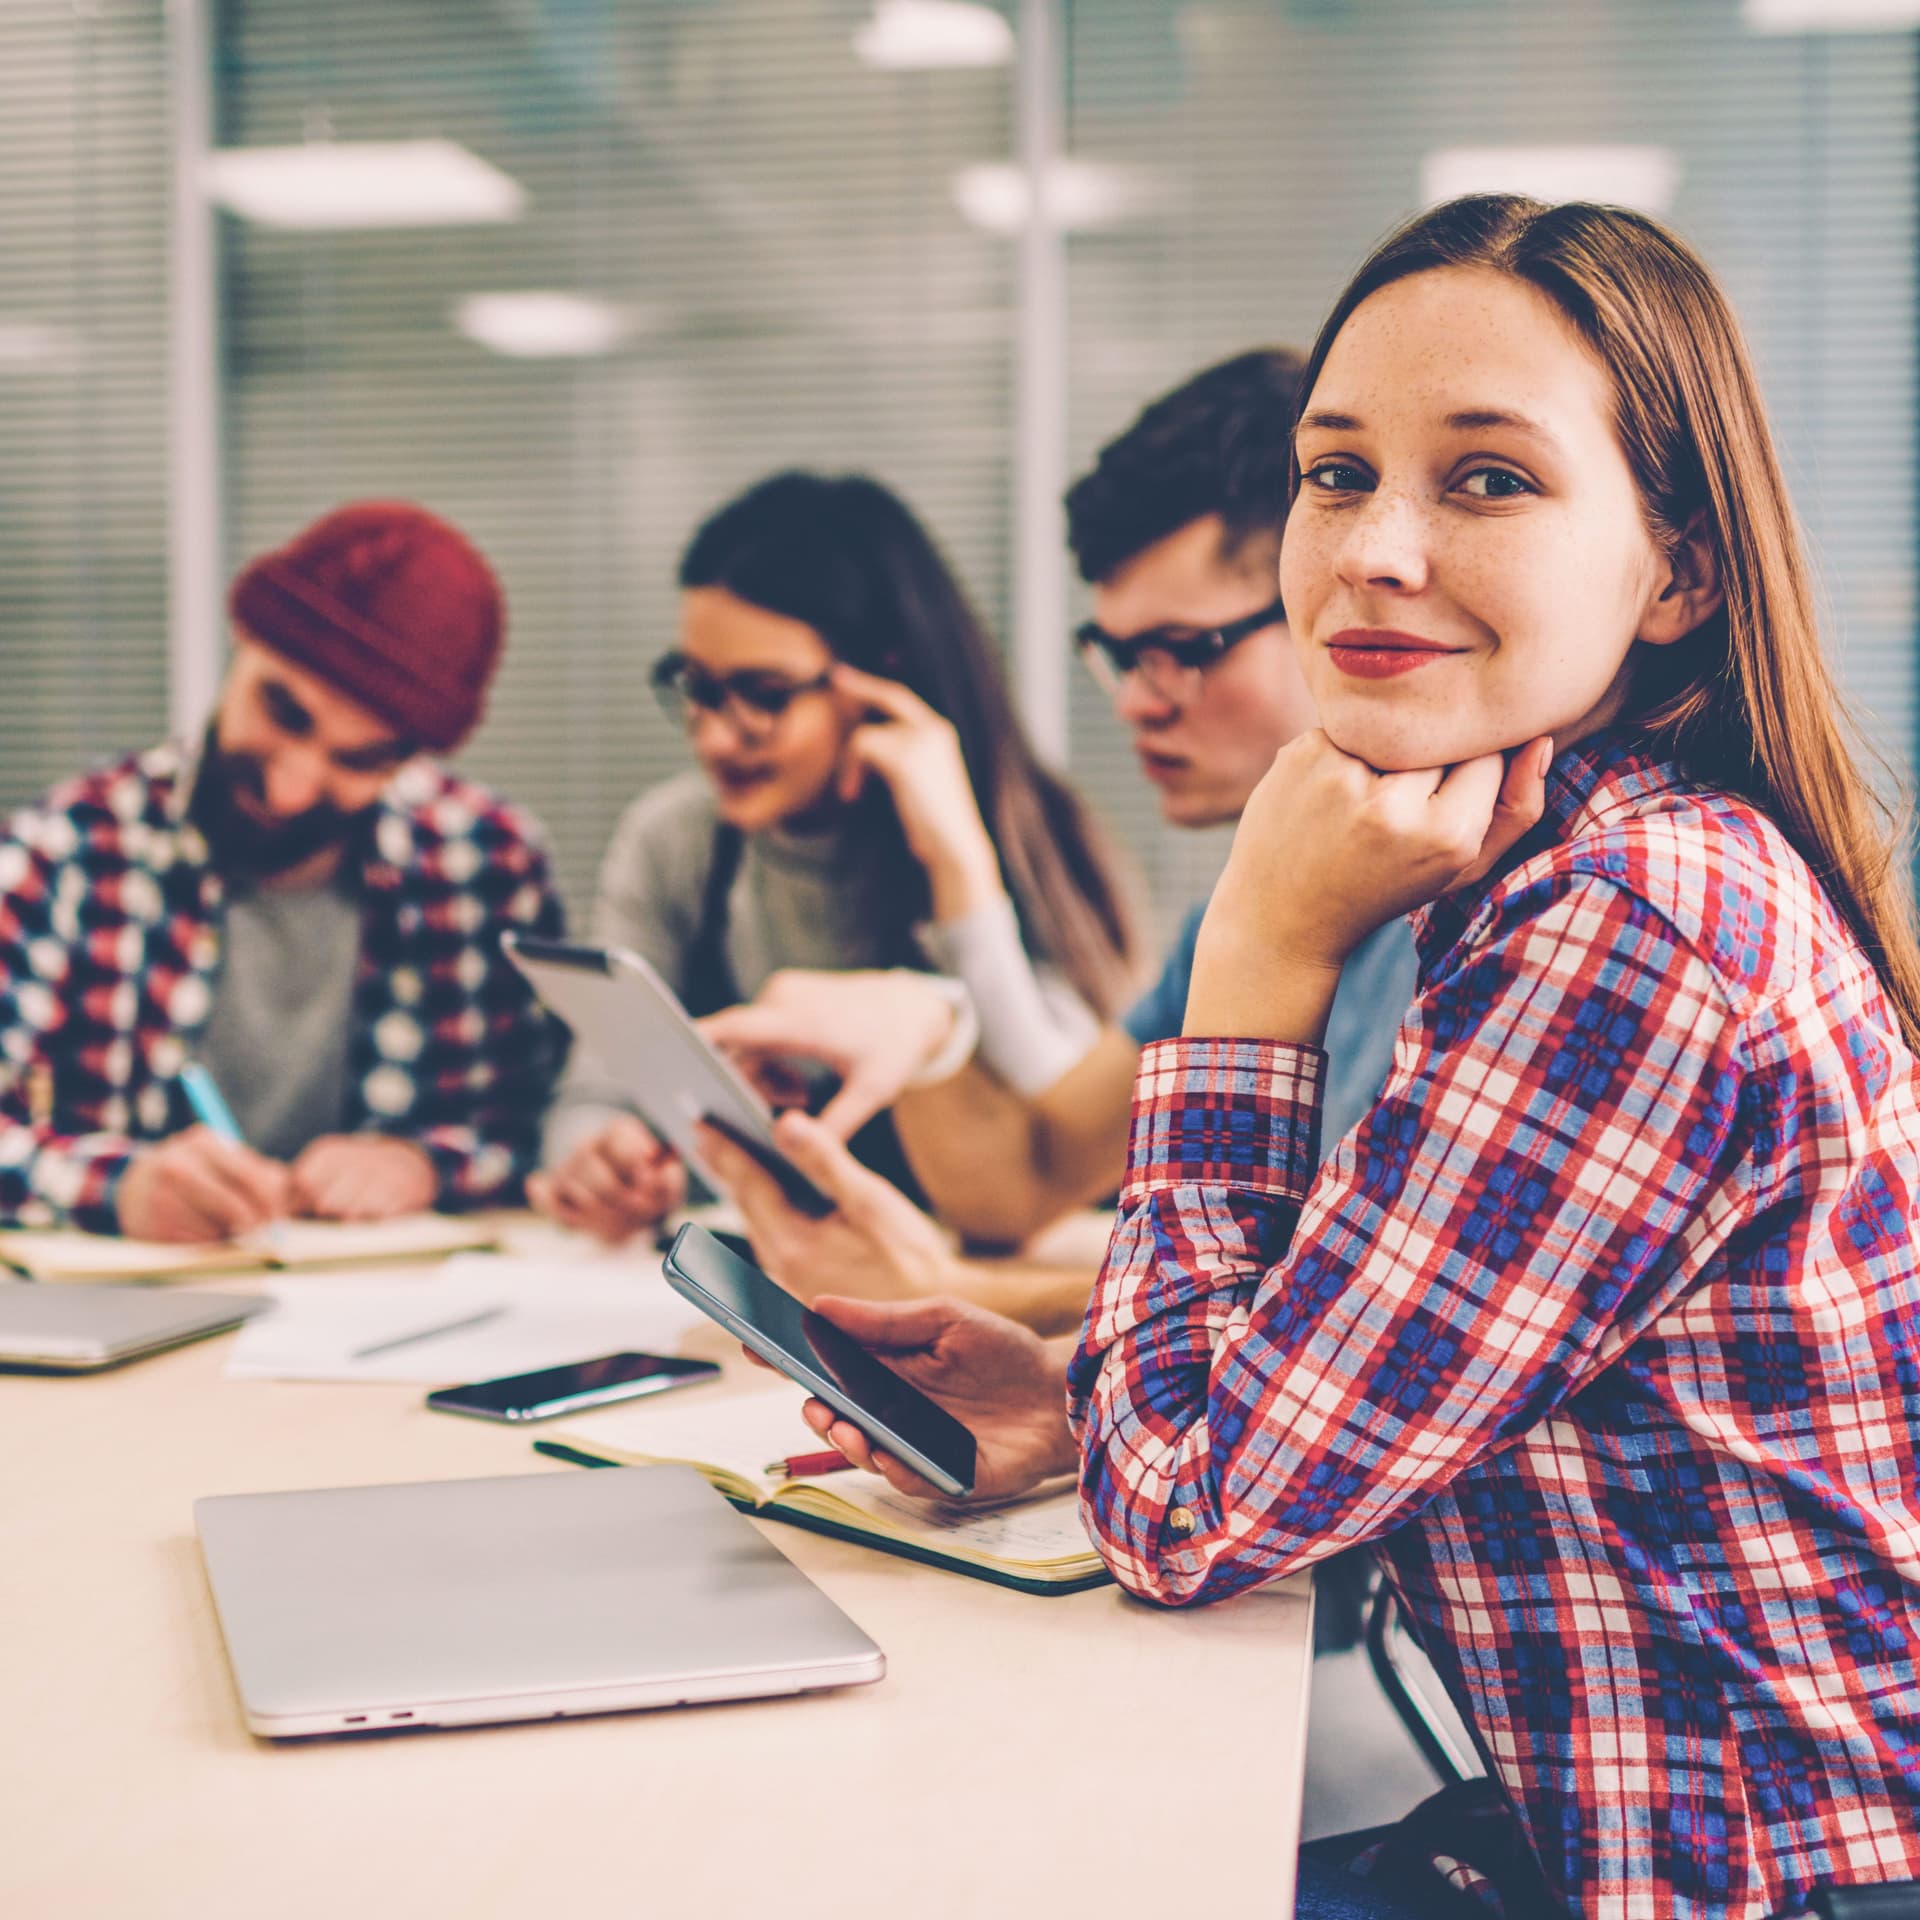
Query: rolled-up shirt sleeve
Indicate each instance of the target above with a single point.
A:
(1279, 1362)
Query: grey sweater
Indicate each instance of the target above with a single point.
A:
(797, 900)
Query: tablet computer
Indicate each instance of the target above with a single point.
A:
(642, 1038)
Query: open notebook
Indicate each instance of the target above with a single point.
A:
(1036, 1544)
(293, 1243)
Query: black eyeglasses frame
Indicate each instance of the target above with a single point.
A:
(753, 701)
(1196, 651)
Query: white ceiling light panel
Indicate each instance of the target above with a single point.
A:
(1646, 178)
(1831, 16)
(542, 325)
(1082, 196)
(339, 185)
(916, 35)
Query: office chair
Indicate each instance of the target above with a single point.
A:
(1394, 1654)
(1393, 1651)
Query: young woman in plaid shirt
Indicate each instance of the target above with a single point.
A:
(1605, 1322)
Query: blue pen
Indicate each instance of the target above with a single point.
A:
(210, 1108)
(209, 1104)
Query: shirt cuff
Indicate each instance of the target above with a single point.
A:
(963, 1032)
(75, 1181)
(1225, 1113)
(1026, 1041)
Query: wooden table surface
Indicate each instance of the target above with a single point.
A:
(1085, 1755)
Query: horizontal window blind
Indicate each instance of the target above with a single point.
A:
(777, 224)
(83, 398)
(775, 218)
(1272, 144)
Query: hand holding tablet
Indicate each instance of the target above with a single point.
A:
(628, 1018)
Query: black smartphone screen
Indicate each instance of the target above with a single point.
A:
(821, 1358)
(588, 1383)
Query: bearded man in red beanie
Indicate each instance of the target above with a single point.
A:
(304, 905)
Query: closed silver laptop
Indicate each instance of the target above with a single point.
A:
(538, 1596)
(78, 1328)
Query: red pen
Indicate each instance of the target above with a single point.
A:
(805, 1466)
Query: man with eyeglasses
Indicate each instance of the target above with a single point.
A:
(1177, 530)
(302, 905)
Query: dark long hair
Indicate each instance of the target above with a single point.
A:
(1746, 703)
(847, 557)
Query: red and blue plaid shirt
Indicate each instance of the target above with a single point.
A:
(110, 923)
(1605, 1321)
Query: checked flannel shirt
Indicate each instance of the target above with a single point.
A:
(110, 924)
(1605, 1321)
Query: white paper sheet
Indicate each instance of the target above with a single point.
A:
(542, 1314)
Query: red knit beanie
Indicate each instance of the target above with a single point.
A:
(390, 605)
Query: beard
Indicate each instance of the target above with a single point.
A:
(245, 849)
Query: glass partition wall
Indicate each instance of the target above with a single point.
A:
(684, 242)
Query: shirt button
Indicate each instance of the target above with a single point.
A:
(1180, 1520)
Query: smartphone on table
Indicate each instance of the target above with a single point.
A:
(587, 1383)
(817, 1355)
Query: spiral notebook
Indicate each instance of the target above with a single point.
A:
(1035, 1544)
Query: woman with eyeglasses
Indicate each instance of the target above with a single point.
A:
(865, 799)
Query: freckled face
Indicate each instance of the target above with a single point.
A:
(1467, 565)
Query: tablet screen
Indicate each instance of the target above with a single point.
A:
(639, 1037)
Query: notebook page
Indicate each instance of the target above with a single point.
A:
(1040, 1530)
(738, 1434)
(313, 1243)
(56, 1254)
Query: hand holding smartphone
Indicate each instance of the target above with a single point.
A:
(557, 1390)
(817, 1355)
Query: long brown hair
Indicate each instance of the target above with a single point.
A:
(848, 557)
(1745, 703)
